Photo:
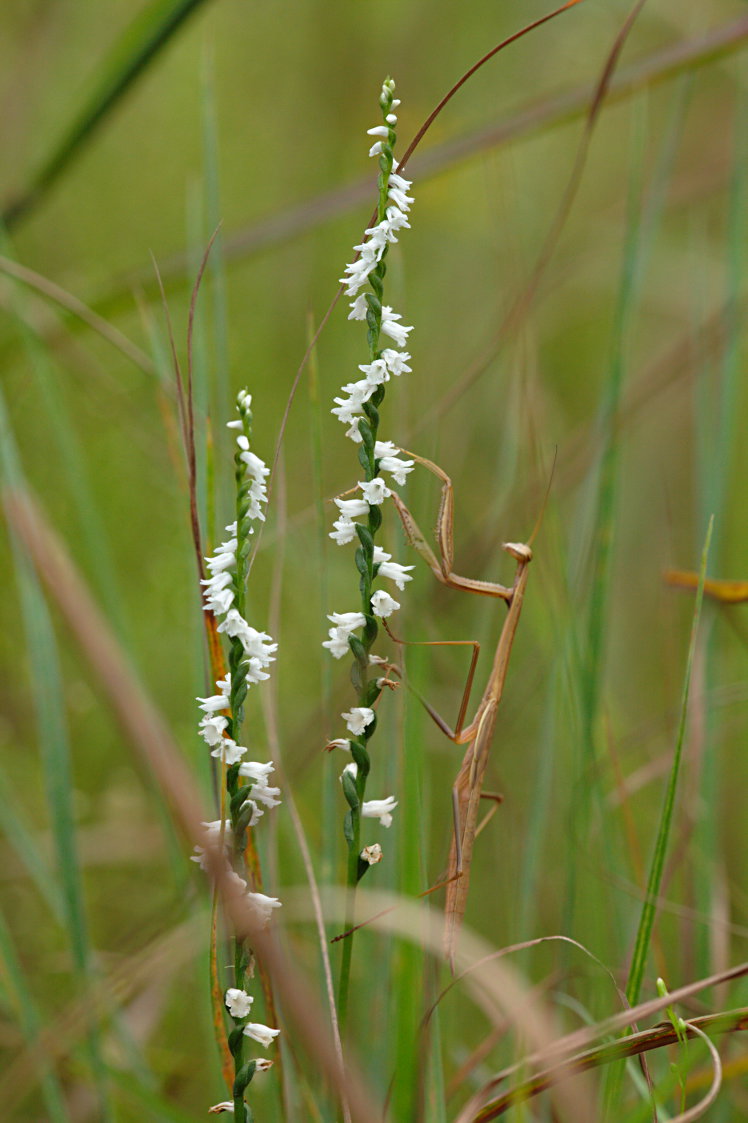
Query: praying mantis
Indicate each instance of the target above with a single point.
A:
(477, 734)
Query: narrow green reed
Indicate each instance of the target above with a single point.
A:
(140, 45)
(329, 835)
(246, 783)
(716, 410)
(357, 632)
(605, 508)
(49, 712)
(646, 922)
(649, 907)
(19, 999)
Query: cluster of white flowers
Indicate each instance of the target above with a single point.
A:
(239, 1003)
(212, 729)
(373, 808)
(389, 362)
(373, 492)
(215, 833)
(221, 597)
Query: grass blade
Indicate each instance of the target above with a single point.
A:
(19, 998)
(49, 704)
(408, 966)
(149, 33)
(23, 841)
(649, 908)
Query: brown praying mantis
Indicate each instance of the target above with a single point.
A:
(477, 734)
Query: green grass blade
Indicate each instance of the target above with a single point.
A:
(23, 841)
(69, 453)
(408, 1064)
(19, 997)
(137, 48)
(716, 413)
(604, 509)
(149, 1105)
(649, 908)
(221, 393)
(646, 206)
(49, 707)
(530, 880)
(436, 1091)
(330, 793)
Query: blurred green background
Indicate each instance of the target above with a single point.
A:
(624, 362)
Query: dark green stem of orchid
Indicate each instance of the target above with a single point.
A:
(363, 681)
(244, 1071)
(240, 810)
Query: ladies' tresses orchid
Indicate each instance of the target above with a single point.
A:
(263, 1035)
(345, 623)
(387, 568)
(263, 906)
(238, 1002)
(380, 809)
(357, 719)
(247, 789)
(383, 605)
(358, 408)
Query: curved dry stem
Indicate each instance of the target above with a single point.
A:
(570, 1054)
(501, 994)
(522, 302)
(524, 945)
(276, 229)
(698, 1109)
(635, 1045)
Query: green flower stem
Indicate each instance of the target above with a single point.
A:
(240, 811)
(244, 1072)
(345, 962)
(361, 676)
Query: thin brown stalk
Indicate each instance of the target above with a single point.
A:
(189, 404)
(574, 1048)
(520, 306)
(645, 1041)
(474, 70)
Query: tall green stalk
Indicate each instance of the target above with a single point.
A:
(649, 907)
(357, 632)
(246, 786)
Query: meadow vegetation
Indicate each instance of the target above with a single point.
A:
(183, 185)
